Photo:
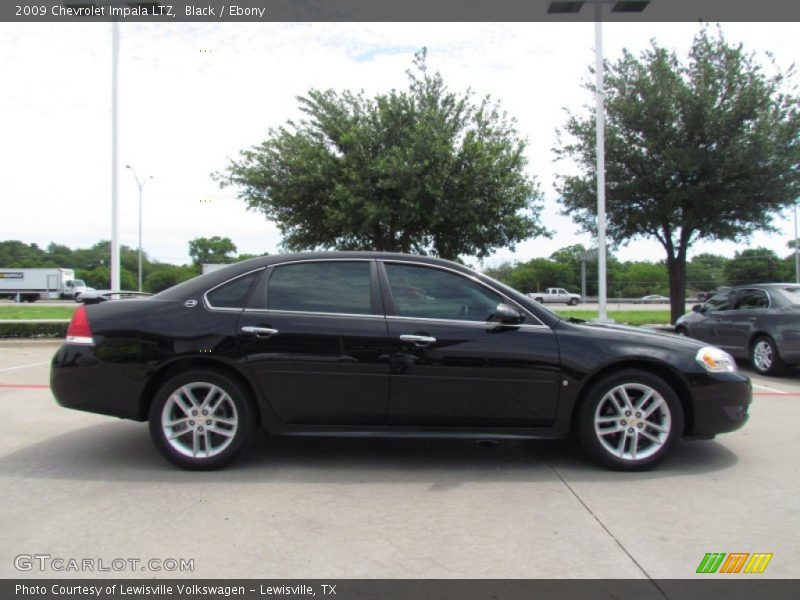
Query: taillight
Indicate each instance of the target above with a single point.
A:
(79, 330)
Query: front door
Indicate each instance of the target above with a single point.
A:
(450, 366)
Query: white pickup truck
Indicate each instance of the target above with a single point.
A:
(555, 295)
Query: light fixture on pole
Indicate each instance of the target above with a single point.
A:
(619, 6)
(140, 183)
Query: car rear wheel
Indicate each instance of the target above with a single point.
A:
(200, 420)
(630, 420)
(681, 330)
(765, 358)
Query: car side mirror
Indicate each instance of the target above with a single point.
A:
(506, 315)
(697, 308)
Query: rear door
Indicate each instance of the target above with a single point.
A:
(451, 367)
(736, 326)
(315, 338)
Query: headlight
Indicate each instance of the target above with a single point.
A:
(715, 360)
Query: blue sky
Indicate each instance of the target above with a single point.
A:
(193, 95)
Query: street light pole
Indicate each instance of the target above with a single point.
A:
(601, 161)
(796, 249)
(115, 275)
(140, 183)
(619, 6)
(114, 266)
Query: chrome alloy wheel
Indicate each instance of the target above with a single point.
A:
(762, 355)
(199, 420)
(632, 421)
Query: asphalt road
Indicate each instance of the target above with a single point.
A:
(77, 485)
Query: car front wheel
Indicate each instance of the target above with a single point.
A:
(765, 358)
(200, 420)
(630, 421)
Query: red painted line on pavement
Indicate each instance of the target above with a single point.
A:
(23, 386)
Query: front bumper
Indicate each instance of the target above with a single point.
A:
(720, 403)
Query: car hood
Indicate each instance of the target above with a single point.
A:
(641, 334)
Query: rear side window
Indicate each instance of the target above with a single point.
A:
(232, 294)
(752, 299)
(328, 287)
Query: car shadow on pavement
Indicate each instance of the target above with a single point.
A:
(123, 452)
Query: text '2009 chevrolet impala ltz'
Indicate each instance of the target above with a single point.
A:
(383, 344)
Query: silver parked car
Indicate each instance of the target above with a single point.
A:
(759, 322)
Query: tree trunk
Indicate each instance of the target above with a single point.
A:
(676, 266)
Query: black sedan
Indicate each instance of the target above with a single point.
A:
(376, 344)
(756, 322)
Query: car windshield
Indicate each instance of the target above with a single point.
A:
(792, 294)
(78, 283)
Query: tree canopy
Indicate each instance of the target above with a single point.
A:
(703, 149)
(212, 250)
(423, 170)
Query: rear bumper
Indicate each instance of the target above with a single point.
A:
(721, 403)
(80, 380)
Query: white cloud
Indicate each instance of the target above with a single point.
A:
(193, 95)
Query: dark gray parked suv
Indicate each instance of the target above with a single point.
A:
(759, 322)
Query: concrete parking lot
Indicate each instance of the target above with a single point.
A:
(77, 485)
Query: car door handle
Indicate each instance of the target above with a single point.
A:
(262, 332)
(419, 340)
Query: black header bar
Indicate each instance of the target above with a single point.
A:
(226, 11)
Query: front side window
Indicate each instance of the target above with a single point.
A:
(327, 287)
(430, 293)
(232, 294)
(719, 301)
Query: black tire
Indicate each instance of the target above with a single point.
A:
(222, 444)
(680, 330)
(540, 300)
(764, 356)
(628, 427)
(573, 302)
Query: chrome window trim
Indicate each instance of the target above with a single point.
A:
(482, 324)
(307, 260)
(471, 278)
(210, 306)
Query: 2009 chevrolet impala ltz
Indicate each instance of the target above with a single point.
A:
(366, 343)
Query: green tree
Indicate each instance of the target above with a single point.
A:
(164, 276)
(211, 250)
(706, 149)
(14, 253)
(538, 274)
(706, 272)
(422, 170)
(754, 265)
(639, 278)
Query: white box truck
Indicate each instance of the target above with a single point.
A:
(30, 285)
